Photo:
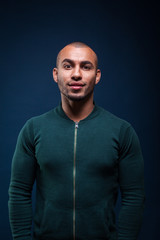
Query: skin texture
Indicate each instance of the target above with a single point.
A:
(76, 75)
(77, 45)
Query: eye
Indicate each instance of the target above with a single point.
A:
(86, 67)
(67, 66)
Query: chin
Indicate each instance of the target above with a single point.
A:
(76, 98)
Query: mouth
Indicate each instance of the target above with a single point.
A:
(76, 85)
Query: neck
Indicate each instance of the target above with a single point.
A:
(77, 110)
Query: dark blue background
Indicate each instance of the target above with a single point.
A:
(125, 35)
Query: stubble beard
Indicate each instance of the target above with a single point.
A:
(78, 98)
(74, 96)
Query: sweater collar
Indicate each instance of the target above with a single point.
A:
(93, 114)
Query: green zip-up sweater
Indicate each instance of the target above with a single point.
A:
(78, 168)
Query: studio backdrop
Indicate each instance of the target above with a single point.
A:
(125, 36)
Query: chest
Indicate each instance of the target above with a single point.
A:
(92, 149)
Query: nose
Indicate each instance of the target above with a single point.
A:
(76, 75)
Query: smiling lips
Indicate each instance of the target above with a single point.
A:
(76, 85)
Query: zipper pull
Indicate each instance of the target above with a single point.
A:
(76, 124)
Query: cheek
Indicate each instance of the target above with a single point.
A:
(63, 77)
(62, 82)
(90, 75)
(91, 80)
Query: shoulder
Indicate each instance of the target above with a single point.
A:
(111, 119)
(116, 125)
(42, 118)
(37, 122)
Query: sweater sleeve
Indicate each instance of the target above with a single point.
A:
(22, 180)
(131, 180)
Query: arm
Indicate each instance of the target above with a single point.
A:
(20, 189)
(131, 180)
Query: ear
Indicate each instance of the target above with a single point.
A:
(98, 76)
(55, 74)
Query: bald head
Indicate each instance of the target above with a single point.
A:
(77, 45)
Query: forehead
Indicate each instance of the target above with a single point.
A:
(77, 54)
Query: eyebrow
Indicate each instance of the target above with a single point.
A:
(72, 62)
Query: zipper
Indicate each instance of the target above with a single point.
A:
(74, 180)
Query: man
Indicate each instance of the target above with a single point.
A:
(79, 154)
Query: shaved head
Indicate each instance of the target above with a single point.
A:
(76, 73)
(77, 45)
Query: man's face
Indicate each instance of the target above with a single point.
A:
(76, 73)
